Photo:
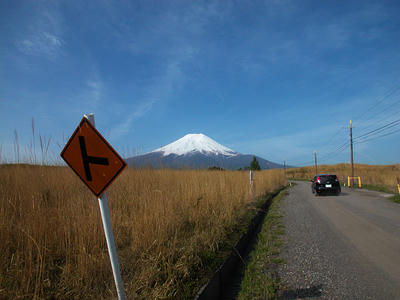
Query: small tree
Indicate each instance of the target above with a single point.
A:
(254, 165)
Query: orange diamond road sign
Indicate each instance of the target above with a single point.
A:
(92, 158)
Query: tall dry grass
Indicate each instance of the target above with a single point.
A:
(168, 227)
(370, 174)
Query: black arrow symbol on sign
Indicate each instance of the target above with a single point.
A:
(90, 159)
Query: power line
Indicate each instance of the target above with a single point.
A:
(338, 149)
(366, 137)
(385, 109)
(370, 135)
(380, 129)
(333, 155)
(310, 162)
(326, 156)
(334, 136)
(383, 119)
(377, 137)
(390, 93)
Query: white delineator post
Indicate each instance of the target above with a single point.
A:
(112, 251)
(251, 174)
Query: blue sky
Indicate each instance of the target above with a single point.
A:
(279, 79)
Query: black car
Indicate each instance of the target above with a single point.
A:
(325, 183)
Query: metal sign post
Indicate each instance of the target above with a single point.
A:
(97, 164)
(105, 217)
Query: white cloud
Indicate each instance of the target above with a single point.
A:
(161, 90)
(125, 127)
(94, 92)
(176, 54)
(41, 44)
(42, 35)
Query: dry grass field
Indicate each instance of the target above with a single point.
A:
(370, 174)
(169, 226)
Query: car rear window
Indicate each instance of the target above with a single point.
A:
(325, 178)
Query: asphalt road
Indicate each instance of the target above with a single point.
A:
(340, 247)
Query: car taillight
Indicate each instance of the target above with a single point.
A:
(318, 180)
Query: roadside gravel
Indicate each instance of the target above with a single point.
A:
(321, 262)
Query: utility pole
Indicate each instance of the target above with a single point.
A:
(351, 153)
(315, 162)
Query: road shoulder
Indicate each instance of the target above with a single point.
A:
(260, 279)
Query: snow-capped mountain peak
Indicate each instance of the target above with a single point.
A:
(192, 143)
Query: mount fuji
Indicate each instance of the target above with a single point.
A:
(196, 151)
